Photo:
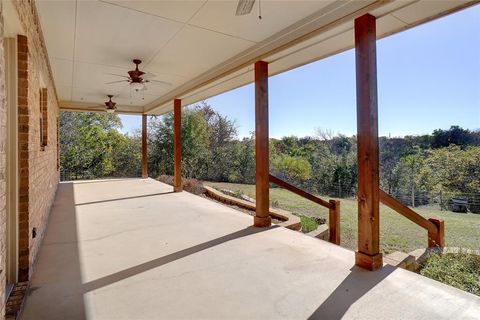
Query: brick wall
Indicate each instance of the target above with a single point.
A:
(3, 200)
(38, 170)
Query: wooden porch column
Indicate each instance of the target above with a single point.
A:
(177, 145)
(262, 212)
(144, 147)
(368, 255)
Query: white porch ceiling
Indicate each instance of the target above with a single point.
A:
(200, 47)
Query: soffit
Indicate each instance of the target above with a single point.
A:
(200, 47)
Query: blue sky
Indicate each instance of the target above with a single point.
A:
(428, 78)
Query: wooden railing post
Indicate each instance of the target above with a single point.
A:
(368, 255)
(434, 226)
(334, 222)
(177, 145)
(437, 239)
(144, 147)
(262, 167)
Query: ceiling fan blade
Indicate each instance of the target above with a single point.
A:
(164, 83)
(94, 107)
(118, 75)
(244, 7)
(117, 81)
(148, 75)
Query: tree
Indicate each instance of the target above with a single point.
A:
(127, 155)
(415, 169)
(221, 150)
(454, 135)
(293, 168)
(453, 171)
(88, 142)
(408, 170)
(391, 150)
(194, 144)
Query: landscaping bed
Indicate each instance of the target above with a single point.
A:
(234, 200)
(396, 232)
(460, 270)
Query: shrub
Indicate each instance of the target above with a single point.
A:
(190, 185)
(166, 179)
(460, 270)
(193, 186)
(294, 168)
(308, 224)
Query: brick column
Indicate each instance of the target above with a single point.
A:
(4, 154)
(23, 159)
(44, 113)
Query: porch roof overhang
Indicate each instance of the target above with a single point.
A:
(200, 47)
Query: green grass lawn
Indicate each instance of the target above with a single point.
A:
(396, 232)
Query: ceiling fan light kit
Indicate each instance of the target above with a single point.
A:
(137, 80)
(137, 86)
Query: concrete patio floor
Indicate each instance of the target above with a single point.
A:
(132, 249)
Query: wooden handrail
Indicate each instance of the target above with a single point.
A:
(299, 191)
(408, 213)
(332, 205)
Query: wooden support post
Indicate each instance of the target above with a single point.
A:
(368, 255)
(437, 239)
(334, 222)
(262, 216)
(144, 147)
(177, 145)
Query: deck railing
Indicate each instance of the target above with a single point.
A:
(332, 205)
(435, 227)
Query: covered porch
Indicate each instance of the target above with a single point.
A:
(133, 249)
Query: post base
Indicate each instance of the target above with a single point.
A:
(144, 176)
(367, 261)
(262, 222)
(177, 189)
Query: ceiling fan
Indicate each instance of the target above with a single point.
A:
(244, 7)
(138, 78)
(110, 105)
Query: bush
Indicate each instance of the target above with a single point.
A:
(166, 179)
(308, 224)
(294, 168)
(190, 185)
(193, 186)
(460, 270)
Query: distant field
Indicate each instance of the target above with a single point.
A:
(396, 232)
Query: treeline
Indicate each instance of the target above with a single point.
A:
(416, 169)
(92, 146)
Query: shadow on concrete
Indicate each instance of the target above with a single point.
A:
(55, 291)
(125, 198)
(99, 181)
(121, 275)
(352, 288)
